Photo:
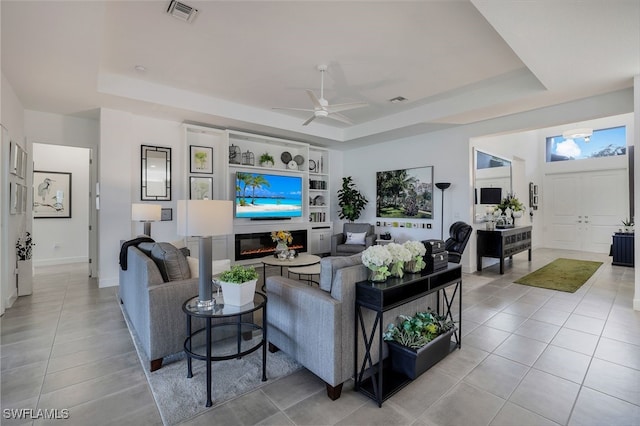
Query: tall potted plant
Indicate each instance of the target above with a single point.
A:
(350, 200)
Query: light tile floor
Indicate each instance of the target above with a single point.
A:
(529, 357)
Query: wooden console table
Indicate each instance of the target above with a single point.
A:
(381, 297)
(502, 243)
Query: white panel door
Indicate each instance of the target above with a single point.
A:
(584, 209)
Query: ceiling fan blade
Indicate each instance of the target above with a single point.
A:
(309, 120)
(346, 107)
(340, 117)
(294, 109)
(314, 99)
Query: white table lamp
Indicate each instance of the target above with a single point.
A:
(146, 213)
(205, 218)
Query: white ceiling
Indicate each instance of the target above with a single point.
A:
(456, 61)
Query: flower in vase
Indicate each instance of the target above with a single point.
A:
(377, 259)
(399, 255)
(281, 237)
(417, 250)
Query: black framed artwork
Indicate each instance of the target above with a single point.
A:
(52, 195)
(200, 159)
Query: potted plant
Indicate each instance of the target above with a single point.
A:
(24, 252)
(512, 203)
(238, 285)
(417, 250)
(377, 259)
(628, 225)
(350, 200)
(418, 342)
(399, 256)
(266, 160)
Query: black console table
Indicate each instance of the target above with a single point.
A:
(623, 250)
(502, 243)
(382, 383)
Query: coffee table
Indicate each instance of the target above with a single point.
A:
(308, 271)
(303, 259)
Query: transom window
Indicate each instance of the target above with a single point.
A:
(602, 143)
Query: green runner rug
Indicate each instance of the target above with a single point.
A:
(561, 274)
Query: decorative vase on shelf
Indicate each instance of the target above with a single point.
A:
(379, 275)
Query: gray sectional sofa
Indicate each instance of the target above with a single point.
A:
(316, 325)
(152, 293)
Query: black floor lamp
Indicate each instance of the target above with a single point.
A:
(442, 186)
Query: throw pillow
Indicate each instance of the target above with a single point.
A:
(217, 266)
(355, 238)
(171, 262)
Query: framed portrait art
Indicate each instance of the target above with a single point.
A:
(51, 195)
(200, 159)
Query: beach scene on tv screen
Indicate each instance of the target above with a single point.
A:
(262, 195)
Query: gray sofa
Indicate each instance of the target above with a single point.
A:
(153, 304)
(316, 325)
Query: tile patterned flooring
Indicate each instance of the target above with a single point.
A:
(529, 357)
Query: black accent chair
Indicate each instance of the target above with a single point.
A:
(459, 232)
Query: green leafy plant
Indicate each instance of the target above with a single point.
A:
(512, 202)
(416, 331)
(350, 200)
(266, 157)
(627, 222)
(239, 274)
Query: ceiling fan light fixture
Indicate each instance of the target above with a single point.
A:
(578, 133)
(182, 11)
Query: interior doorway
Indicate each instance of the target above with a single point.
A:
(67, 239)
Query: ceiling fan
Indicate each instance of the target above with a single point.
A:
(321, 107)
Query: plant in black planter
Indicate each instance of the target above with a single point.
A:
(418, 342)
(350, 200)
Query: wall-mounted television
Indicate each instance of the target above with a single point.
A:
(268, 196)
(490, 195)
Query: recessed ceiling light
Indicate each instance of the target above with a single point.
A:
(397, 99)
(140, 68)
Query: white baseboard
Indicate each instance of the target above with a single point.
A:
(60, 261)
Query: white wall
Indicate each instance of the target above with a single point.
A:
(121, 135)
(62, 240)
(636, 167)
(13, 226)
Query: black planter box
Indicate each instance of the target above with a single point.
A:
(414, 362)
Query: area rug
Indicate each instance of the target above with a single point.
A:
(562, 275)
(179, 398)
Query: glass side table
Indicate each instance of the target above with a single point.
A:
(234, 319)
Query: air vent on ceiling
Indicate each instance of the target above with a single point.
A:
(182, 11)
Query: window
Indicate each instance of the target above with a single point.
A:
(602, 143)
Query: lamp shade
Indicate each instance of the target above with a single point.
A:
(205, 217)
(141, 212)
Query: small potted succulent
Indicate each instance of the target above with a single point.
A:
(266, 160)
(238, 285)
(418, 342)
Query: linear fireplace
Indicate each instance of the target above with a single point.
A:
(251, 246)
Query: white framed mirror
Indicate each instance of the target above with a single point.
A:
(155, 177)
(492, 181)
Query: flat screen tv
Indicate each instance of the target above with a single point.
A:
(490, 195)
(267, 196)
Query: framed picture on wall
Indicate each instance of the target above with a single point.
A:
(405, 193)
(200, 188)
(52, 195)
(200, 159)
(13, 198)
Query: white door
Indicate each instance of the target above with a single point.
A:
(584, 209)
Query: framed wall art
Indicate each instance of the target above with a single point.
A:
(200, 188)
(405, 193)
(13, 198)
(52, 195)
(200, 159)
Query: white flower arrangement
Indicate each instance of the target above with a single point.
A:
(375, 257)
(416, 248)
(398, 252)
